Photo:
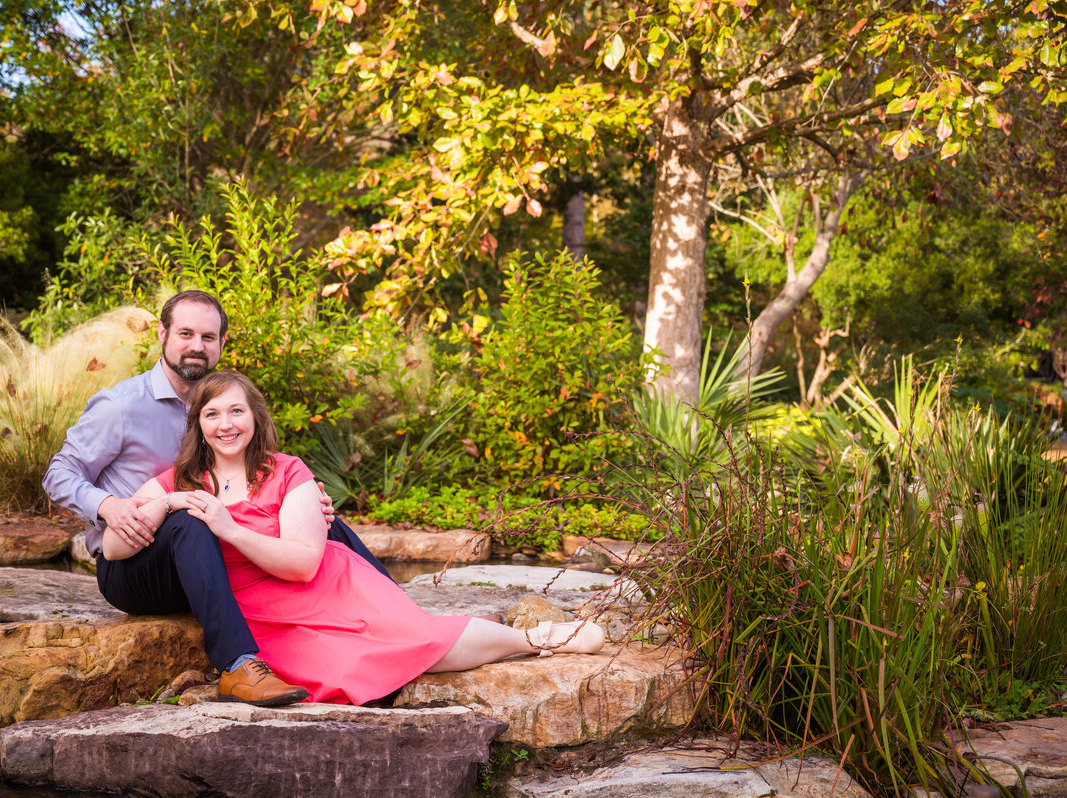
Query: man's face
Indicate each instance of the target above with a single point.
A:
(192, 345)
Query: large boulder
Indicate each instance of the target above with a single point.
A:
(568, 699)
(63, 649)
(49, 669)
(424, 545)
(31, 541)
(238, 750)
(706, 768)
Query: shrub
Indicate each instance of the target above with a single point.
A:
(302, 349)
(557, 363)
(103, 268)
(44, 390)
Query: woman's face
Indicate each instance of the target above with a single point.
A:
(227, 424)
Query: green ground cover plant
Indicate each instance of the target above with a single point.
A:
(512, 518)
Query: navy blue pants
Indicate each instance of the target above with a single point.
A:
(183, 571)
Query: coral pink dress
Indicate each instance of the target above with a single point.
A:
(350, 635)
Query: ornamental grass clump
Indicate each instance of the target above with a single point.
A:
(43, 390)
(862, 614)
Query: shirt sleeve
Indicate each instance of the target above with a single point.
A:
(90, 446)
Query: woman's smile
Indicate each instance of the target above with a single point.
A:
(227, 423)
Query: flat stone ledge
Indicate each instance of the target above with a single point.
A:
(703, 768)
(31, 594)
(423, 545)
(568, 699)
(1030, 751)
(537, 578)
(31, 541)
(238, 750)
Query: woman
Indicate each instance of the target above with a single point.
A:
(323, 617)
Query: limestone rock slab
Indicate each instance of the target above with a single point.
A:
(1035, 748)
(49, 669)
(700, 770)
(567, 699)
(31, 541)
(606, 552)
(422, 545)
(528, 577)
(238, 750)
(79, 552)
(31, 594)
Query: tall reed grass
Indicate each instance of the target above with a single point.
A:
(44, 390)
(863, 611)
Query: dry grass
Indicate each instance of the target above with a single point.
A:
(44, 390)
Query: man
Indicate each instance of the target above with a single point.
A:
(130, 433)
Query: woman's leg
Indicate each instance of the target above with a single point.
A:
(482, 642)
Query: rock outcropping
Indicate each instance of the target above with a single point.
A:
(567, 699)
(31, 541)
(422, 545)
(702, 768)
(237, 750)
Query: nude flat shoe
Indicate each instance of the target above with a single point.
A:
(575, 637)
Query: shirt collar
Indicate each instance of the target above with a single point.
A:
(161, 387)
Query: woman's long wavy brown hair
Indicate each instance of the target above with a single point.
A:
(196, 458)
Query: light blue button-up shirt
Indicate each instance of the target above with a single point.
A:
(127, 435)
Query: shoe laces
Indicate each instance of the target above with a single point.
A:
(262, 667)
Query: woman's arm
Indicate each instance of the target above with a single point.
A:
(153, 503)
(295, 555)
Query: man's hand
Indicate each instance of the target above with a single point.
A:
(124, 517)
(327, 504)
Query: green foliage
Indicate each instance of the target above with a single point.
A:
(29, 213)
(103, 268)
(555, 365)
(302, 350)
(727, 402)
(864, 610)
(353, 467)
(156, 103)
(514, 518)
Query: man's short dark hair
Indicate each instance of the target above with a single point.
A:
(166, 316)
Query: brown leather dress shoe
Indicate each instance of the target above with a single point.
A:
(255, 683)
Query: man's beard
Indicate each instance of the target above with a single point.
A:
(190, 372)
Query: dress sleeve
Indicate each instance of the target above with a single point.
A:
(293, 472)
(166, 480)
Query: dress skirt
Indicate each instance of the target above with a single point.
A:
(350, 635)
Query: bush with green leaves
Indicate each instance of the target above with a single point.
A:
(305, 351)
(558, 363)
(104, 266)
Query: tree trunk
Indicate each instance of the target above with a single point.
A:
(797, 285)
(676, 285)
(574, 226)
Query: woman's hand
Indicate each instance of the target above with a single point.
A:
(210, 509)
